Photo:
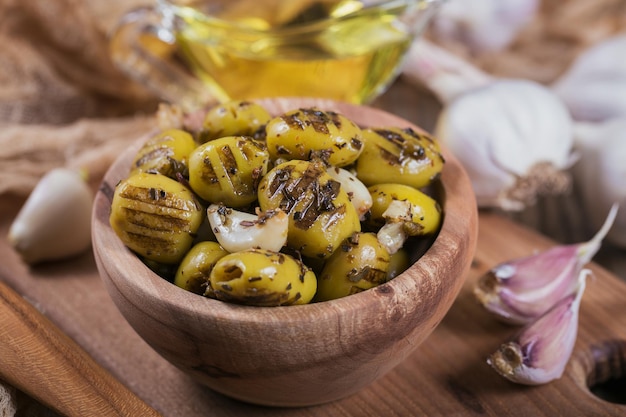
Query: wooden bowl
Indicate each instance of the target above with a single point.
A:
(295, 355)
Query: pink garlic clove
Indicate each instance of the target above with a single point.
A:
(541, 351)
(520, 290)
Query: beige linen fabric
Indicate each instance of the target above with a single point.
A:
(62, 101)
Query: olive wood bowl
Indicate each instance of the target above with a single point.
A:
(294, 355)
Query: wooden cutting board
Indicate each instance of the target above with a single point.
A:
(446, 376)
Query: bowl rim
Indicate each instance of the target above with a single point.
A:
(146, 283)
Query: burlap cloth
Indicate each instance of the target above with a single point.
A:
(62, 101)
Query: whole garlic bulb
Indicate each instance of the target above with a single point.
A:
(594, 87)
(514, 137)
(601, 172)
(55, 220)
(483, 25)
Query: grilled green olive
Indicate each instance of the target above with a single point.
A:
(234, 118)
(360, 263)
(166, 153)
(155, 216)
(261, 278)
(424, 212)
(320, 212)
(228, 170)
(398, 263)
(399, 155)
(308, 133)
(195, 268)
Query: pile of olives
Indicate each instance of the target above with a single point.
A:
(270, 211)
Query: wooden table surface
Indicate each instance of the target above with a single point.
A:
(446, 376)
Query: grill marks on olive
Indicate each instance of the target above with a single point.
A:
(407, 149)
(305, 192)
(367, 273)
(228, 160)
(164, 152)
(156, 194)
(257, 175)
(208, 172)
(364, 272)
(154, 243)
(223, 165)
(158, 213)
(255, 296)
(317, 119)
(159, 199)
(262, 278)
(158, 222)
(356, 143)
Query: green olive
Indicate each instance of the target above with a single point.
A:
(398, 263)
(401, 156)
(166, 153)
(425, 210)
(194, 270)
(360, 263)
(309, 133)
(320, 213)
(228, 170)
(261, 278)
(155, 216)
(234, 118)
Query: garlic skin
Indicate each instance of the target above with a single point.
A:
(514, 138)
(483, 25)
(521, 290)
(55, 221)
(594, 86)
(600, 172)
(541, 350)
(237, 231)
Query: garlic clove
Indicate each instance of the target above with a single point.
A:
(520, 290)
(541, 350)
(55, 221)
(392, 236)
(357, 191)
(398, 225)
(236, 230)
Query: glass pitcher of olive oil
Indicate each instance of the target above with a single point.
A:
(194, 52)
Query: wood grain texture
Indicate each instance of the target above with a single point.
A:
(297, 355)
(37, 358)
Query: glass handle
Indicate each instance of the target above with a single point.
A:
(142, 45)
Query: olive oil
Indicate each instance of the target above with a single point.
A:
(338, 50)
